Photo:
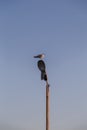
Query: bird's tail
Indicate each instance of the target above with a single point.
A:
(36, 57)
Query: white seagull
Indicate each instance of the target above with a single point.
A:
(41, 56)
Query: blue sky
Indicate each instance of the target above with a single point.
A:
(58, 29)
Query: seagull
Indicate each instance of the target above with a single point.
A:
(41, 56)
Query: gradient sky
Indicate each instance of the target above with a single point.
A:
(57, 28)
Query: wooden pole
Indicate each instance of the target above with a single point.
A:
(47, 106)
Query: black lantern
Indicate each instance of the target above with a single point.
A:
(42, 68)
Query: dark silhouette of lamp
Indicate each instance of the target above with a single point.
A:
(42, 68)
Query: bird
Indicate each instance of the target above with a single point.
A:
(41, 56)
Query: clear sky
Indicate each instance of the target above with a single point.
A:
(57, 28)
